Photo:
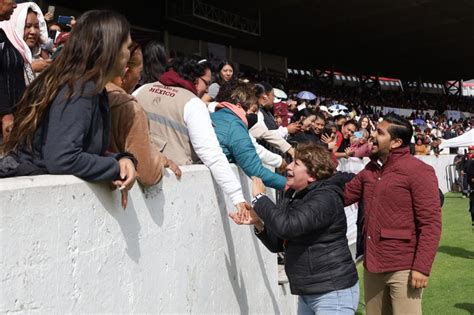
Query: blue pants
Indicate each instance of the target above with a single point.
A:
(342, 302)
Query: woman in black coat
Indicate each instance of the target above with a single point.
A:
(310, 226)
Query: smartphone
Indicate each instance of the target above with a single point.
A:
(62, 19)
(52, 34)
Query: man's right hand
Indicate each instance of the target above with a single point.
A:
(418, 280)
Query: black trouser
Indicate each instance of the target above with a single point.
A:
(471, 205)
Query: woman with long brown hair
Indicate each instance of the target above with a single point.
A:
(62, 122)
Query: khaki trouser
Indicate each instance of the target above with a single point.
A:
(391, 293)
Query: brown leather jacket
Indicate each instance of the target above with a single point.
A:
(130, 133)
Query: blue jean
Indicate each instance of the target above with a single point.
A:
(342, 302)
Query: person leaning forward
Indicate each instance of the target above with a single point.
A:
(402, 225)
(180, 124)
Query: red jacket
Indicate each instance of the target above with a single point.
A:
(402, 226)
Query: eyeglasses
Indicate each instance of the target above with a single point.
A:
(207, 83)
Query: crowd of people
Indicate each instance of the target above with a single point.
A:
(91, 113)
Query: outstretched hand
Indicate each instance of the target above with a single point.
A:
(174, 168)
(242, 213)
(349, 152)
(128, 175)
(329, 141)
(251, 218)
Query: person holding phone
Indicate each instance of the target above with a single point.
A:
(361, 146)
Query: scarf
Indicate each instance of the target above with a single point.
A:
(238, 111)
(15, 28)
(172, 78)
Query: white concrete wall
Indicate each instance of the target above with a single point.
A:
(66, 246)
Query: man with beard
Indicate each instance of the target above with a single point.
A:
(402, 225)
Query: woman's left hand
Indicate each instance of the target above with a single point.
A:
(258, 187)
(128, 176)
(251, 218)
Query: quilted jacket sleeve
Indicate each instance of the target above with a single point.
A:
(426, 204)
(353, 190)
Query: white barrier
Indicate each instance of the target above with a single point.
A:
(439, 163)
(67, 247)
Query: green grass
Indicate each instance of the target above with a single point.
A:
(451, 285)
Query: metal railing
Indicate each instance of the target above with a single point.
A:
(453, 178)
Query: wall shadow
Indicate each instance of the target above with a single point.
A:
(127, 219)
(235, 277)
(154, 200)
(469, 307)
(456, 252)
(276, 308)
(246, 190)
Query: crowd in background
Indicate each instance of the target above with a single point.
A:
(95, 104)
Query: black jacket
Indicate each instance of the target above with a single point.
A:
(307, 137)
(12, 80)
(313, 222)
(73, 137)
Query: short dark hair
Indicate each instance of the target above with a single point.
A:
(317, 160)
(400, 128)
(320, 115)
(351, 122)
(190, 68)
(155, 61)
(267, 87)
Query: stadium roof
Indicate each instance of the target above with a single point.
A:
(428, 39)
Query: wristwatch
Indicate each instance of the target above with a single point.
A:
(255, 199)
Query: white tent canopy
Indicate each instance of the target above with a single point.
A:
(463, 140)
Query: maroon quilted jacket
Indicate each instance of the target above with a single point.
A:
(402, 225)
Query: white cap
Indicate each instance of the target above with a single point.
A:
(323, 108)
